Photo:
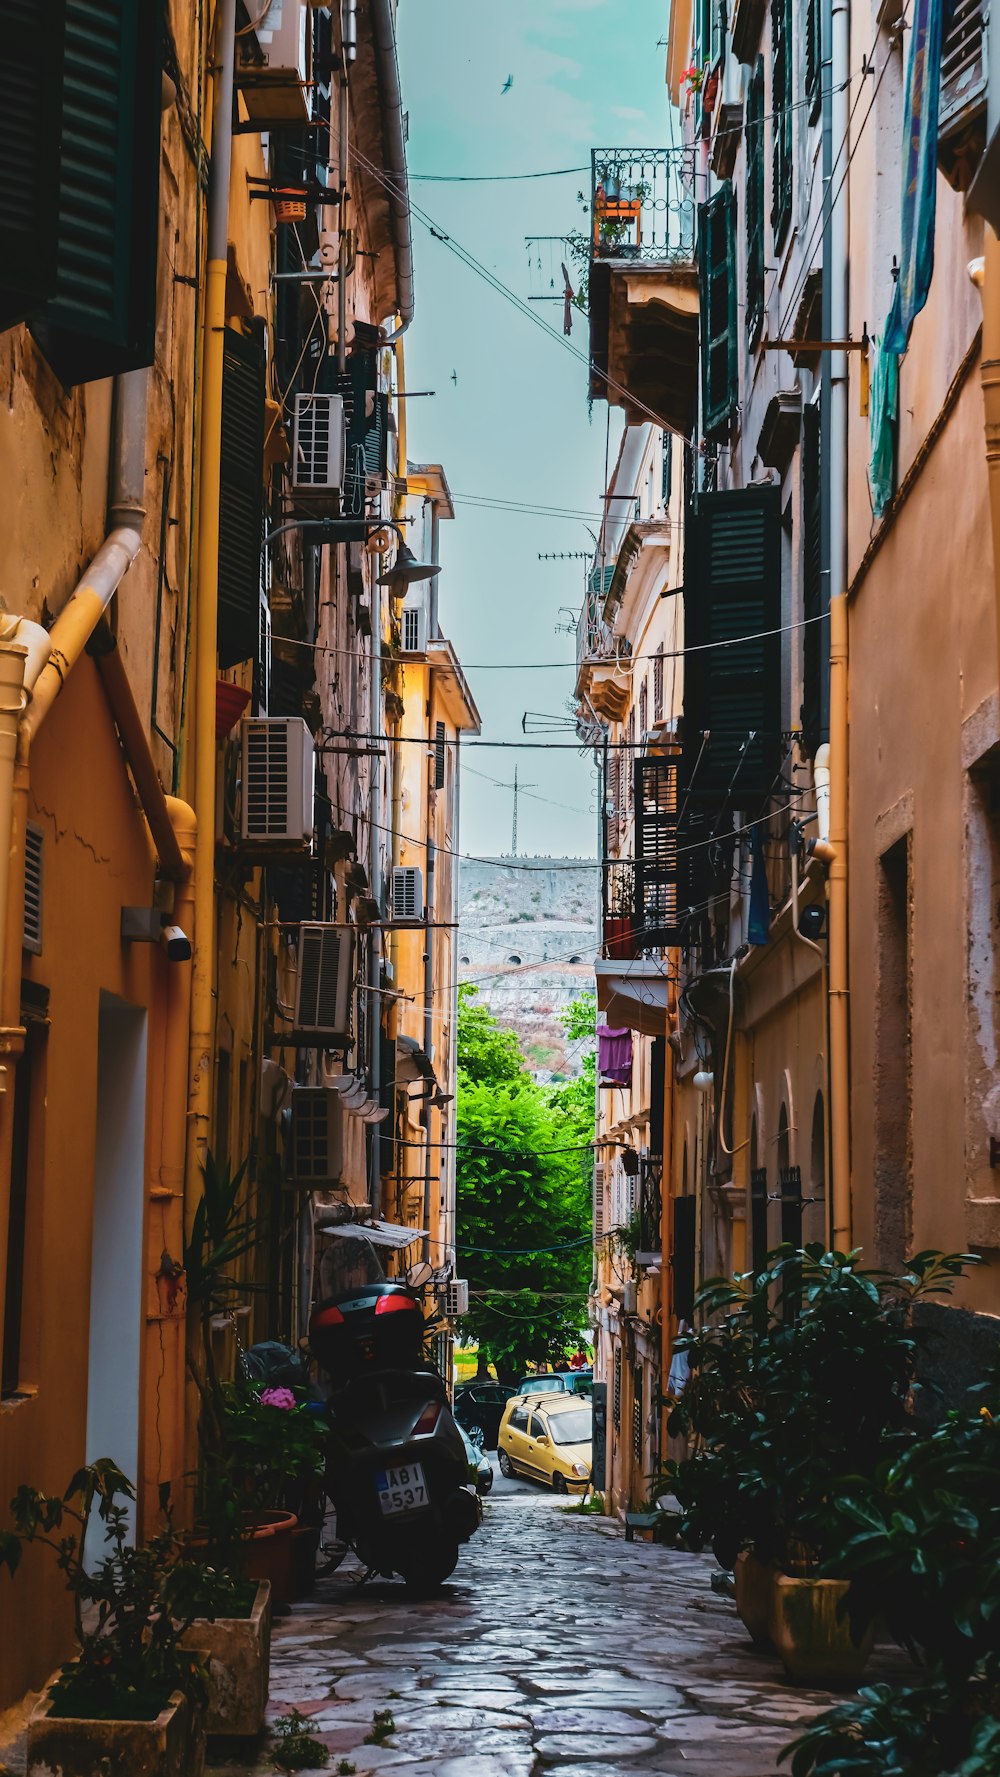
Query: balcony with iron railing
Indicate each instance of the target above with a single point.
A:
(643, 283)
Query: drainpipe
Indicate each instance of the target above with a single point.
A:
(836, 261)
(376, 885)
(206, 628)
(349, 50)
(988, 278)
(428, 1025)
(34, 665)
(394, 158)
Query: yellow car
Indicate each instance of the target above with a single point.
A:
(547, 1438)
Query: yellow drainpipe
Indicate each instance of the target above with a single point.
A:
(396, 816)
(840, 1109)
(202, 1031)
(988, 280)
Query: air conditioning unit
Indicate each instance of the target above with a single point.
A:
(453, 1300)
(407, 892)
(414, 625)
(273, 68)
(319, 448)
(630, 1296)
(315, 1136)
(323, 985)
(278, 773)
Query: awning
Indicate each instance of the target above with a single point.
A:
(379, 1233)
(413, 1064)
(634, 995)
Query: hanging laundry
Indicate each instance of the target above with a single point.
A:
(920, 129)
(884, 413)
(614, 1056)
(760, 900)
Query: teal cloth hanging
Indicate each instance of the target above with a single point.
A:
(920, 130)
(884, 413)
(759, 923)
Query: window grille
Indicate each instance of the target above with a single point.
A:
(616, 1392)
(637, 1382)
(439, 755)
(643, 707)
(658, 684)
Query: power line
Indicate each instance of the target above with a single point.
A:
(493, 178)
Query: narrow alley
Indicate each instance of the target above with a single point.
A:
(540, 1655)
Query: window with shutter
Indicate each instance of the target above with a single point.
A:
(31, 88)
(814, 56)
(599, 1207)
(682, 1258)
(622, 778)
(366, 411)
(439, 755)
(668, 468)
(630, 756)
(616, 1391)
(643, 707)
(658, 684)
(101, 316)
(656, 851)
(755, 201)
(732, 678)
(241, 498)
(812, 584)
(719, 367)
(781, 118)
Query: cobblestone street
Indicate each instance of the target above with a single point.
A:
(556, 1647)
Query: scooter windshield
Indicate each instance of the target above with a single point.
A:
(348, 1264)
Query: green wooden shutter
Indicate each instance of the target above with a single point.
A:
(781, 121)
(718, 310)
(755, 201)
(732, 693)
(241, 498)
(812, 582)
(684, 1255)
(656, 851)
(31, 80)
(102, 316)
(814, 56)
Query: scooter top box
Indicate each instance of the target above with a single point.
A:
(376, 1326)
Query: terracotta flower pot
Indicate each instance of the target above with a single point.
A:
(238, 1656)
(171, 1745)
(754, 1596)
(812, 1634)
(268, 1552)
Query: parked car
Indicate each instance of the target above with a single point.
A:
(481, 1404)
(549, 1383)
(579, 1381)
(480, 1466)
(548, 1440)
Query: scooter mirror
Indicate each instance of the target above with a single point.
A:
(418, 1274)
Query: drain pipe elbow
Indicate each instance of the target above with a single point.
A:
(821, 780)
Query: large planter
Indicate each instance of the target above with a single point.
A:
(268, 1553)
(754, 1580)
(238, 1656)
(812, 1634)
(173, 1745)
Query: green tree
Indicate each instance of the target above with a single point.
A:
(523, 1198)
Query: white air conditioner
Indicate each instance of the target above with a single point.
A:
(323, 984)
(273, 70)
(413, 619)
(453, 1299)
(315, 1136)
(278, 773)
(319, 449)
(630, 1296)
(407, 892)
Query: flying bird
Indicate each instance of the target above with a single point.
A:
(454, 378)
(508, 83)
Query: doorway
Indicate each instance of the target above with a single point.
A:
(116, 1263)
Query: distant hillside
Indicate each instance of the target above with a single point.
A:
(528, 936)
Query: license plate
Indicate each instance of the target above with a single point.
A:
(402, 1489)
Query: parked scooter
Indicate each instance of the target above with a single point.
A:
(397, 1470)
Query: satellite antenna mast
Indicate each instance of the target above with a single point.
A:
(516, 788)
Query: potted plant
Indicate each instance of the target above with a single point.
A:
(799, 1378)
(274, 1458)
(131, 1702)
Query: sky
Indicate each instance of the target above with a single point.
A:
(509, 418)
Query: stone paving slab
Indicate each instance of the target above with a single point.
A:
(556, 1648)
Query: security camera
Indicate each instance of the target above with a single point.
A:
(178, 944)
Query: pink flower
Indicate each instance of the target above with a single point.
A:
(277, 1397)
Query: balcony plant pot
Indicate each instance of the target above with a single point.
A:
(238, 1656)
(812, 1634)
(619, 938)
(172, 1744)
(268, 1552)
(754, 1580)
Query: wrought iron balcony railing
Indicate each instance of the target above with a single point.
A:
(642, 204)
